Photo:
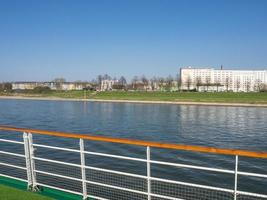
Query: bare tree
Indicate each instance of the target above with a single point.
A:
(169, 81)
(93, 81)
(227, 83)
(99, 79)
(144, 81)
(58, 83)
(217, 84)
(259, 85)
(5, 86)
(106, 77)
(134, 82)
(188, 83)
(208, 82)
(123, 81)
(77, 83)
(153, 82)
(178, 79)
(59, 80)
(264, 88)
(238, 84)
(198, 82)
(161, 82)
(248, 85)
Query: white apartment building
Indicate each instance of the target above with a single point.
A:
(107, 84)
(209, 79)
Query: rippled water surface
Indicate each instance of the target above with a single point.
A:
(215, 126)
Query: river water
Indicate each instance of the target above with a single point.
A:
(214, 126)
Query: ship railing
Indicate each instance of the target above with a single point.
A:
(105, 183)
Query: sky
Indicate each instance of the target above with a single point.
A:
(78, 40)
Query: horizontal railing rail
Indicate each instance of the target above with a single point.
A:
(202, 149)
(148, 191)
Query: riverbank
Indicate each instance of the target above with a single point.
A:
(135, 101)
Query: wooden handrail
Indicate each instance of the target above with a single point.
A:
(141, 142)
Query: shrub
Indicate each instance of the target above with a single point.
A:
(41, 89)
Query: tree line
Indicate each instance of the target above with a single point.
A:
(141, 82)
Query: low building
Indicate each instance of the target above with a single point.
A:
(106, 85)
(51, 85)
(25, 85)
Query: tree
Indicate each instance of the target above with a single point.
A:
(153, 82)
(259, 85)
(122, 81)
(217, 84)
(178, 79)
(106, 77)
(144, 81)
(134, 82)
(118, 87)
(41, 89)
(207, 82)
(198, 82)
(99, 79)
(169, 81)
(238, 84)
(5, 87)
(264, 88)
(227, 83)
(188, 83)
(58, 82)
(248, 85)
(93, 81)
(161, 82)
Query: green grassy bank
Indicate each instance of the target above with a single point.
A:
(221, 97)
(9, 193)
(11, 189)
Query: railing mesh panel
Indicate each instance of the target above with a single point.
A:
(116, 180)
(63, 183)
(13, 160)
(55, 168)
(113, 194)
(12, 148)
(187, 192)
(246, 197)
(13, 172)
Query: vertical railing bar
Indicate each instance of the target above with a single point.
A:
(27, 159)
(148, 173)
(84, 185)
(236, 173)
(32, 163)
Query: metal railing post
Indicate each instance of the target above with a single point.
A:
(27, 159)
(83, 169)
(236, 171)
(32, 163)
(148, 173)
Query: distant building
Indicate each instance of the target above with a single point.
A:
(25, 85)
(209, 79)
(51, 85)
(106, 85)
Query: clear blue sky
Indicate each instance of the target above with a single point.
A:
(41, 40)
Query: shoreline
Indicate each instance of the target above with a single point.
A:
(136, 101)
